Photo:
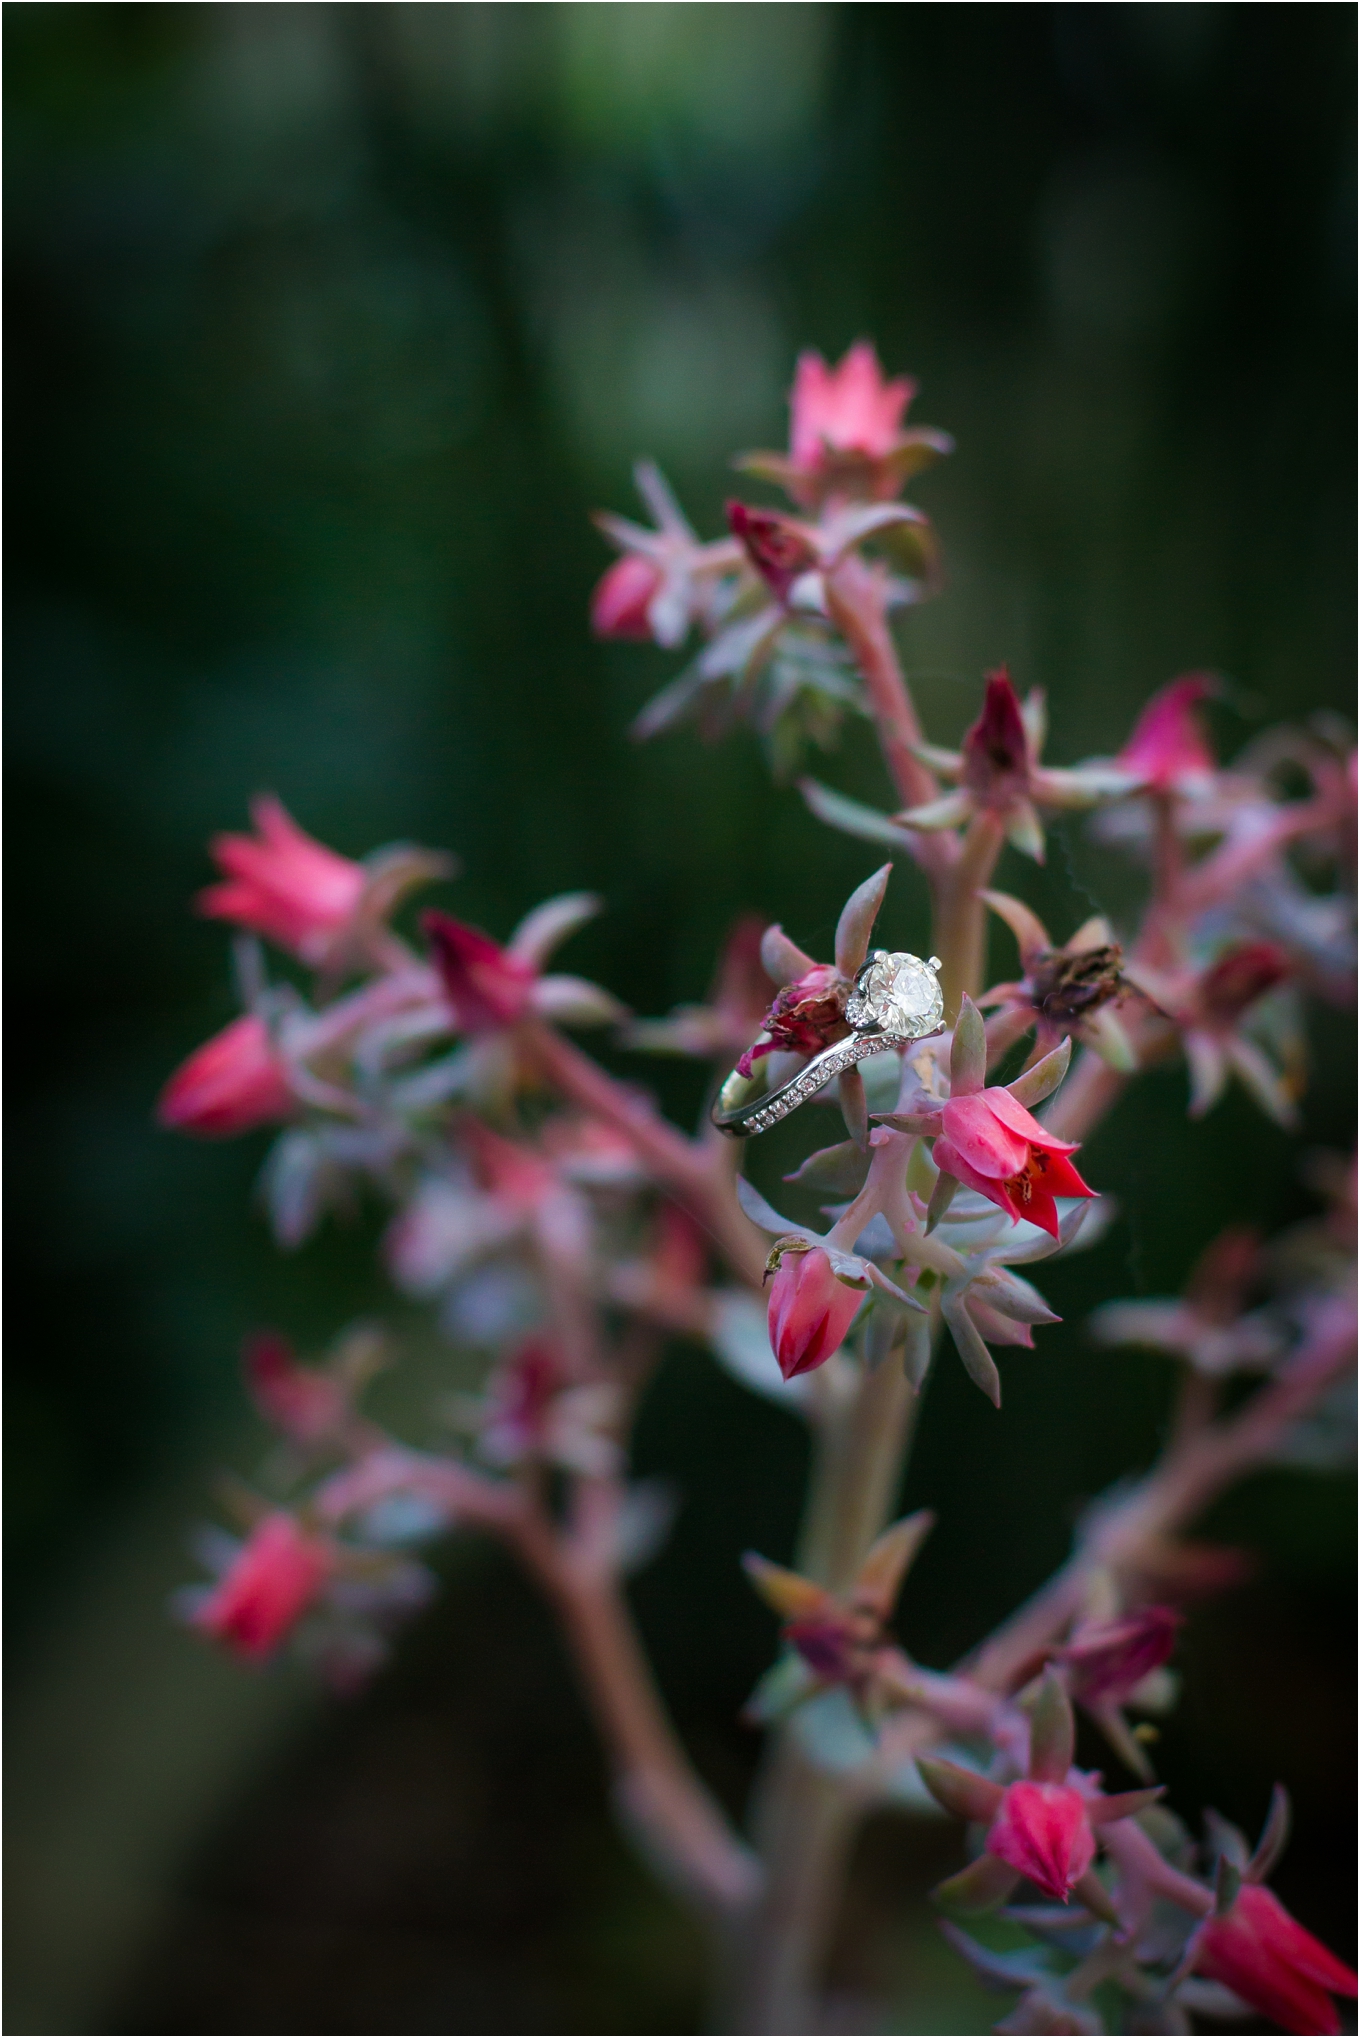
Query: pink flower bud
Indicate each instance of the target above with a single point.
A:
(283, 884)
(1043, 1830)
(1168, 749)
(995, 749)
(305, 1404)
(850, 408)
(486, 986)
(807, 1016)
(776, 546)
(623, 597)
(1238, 979)
(1263, 1955)
(992, 1144)
(810, 1312)
(272, 1583)
(1106, 1661)
(233, 1082)
(521, 1391)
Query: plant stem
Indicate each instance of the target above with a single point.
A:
(1194, 1471)
(855, 604)
(961, 917)
(658, 1795)
(803, 1820)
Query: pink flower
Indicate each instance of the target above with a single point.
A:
(992, 1144)
(306, 1404)
(996, 750)
(284, 885)
(275, 1579)
(1263, 1955)
(621, 603)
(523, 1390)
(486, 986)
(807, 1015)
(1042, 1829)
(1230, 986)
(848, 409)
(998, 771)
(233, 1082)
(810, 1312)
(1168, 749)
(780, 548)
(1107, 1661)
(842, 1639)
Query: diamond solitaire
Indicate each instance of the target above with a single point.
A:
(897, 994)
(896, 1000)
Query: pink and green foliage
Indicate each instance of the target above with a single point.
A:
(555, 1221)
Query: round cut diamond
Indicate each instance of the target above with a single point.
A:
(899, 993)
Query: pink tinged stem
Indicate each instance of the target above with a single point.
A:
(960, 914)
(659, 1796)
(855, 605)
(1174, 1493)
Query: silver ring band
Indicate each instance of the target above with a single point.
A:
(741, 1120)
(896, 1000)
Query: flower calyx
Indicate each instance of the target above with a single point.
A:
(1042, 1827)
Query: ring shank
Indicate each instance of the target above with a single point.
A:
(740, 1120)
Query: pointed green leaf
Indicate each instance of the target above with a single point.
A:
(981, 1886)
(1274, 1836)
(1227, 1882)
(857, 919)
(840, 1170)
(1031, 935)
(1125, 1804)
(1024, 832)
(854, 1107)
(1106, 1037)
(961, 1791)
(852, 817)
(950, 812)
(916, 1350)
(978, 1361)
(1051, 1732)
(1091, 1893)
(968, 1054)
(941, 1196)
(1043, 1079)
(879, 1579)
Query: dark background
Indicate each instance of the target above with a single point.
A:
(328, 326)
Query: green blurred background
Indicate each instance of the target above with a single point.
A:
(328, 326)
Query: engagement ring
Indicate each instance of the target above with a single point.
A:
(896, 999)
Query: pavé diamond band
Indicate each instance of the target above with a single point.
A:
(896, 1000)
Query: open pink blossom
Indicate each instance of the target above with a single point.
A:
(277, 1576)
(232, 1083)
(1042, 1829)
(992, 1144)
(623, 597)
(1268, 1959)
(851, 408)
(1169, 750)
(810, 1312)
(283, 884)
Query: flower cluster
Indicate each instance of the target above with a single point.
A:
(561, 1231)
